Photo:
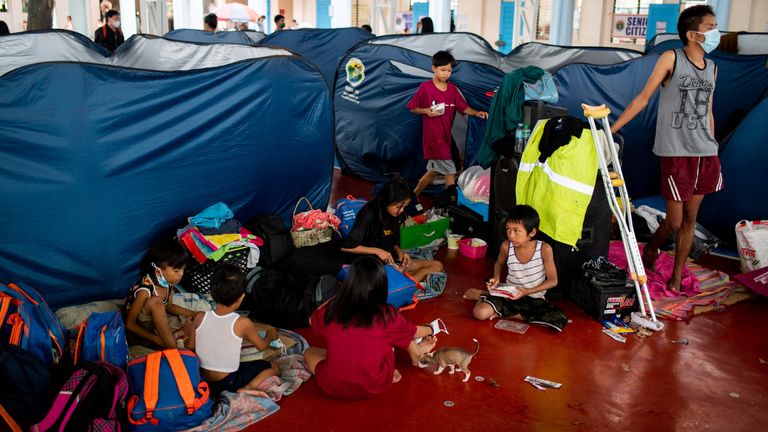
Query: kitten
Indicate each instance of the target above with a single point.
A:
(453, 358)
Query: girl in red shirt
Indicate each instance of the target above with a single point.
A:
(361, 331)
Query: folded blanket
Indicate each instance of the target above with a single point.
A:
(293, 373)
(657, 278)
(236, 411)
(716, 292)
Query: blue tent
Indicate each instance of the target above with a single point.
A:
(747, 43)
(248, 37)
(743, 159)
(323, 47)
(376, 134)
(102, 160)
(742, 82)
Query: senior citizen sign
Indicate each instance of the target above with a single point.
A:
(629, 26)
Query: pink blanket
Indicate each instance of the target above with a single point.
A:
(658, 277)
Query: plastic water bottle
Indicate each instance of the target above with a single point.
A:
(519, 143)
(526, 136)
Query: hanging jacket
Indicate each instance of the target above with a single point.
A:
(560, 188)
(506, 110)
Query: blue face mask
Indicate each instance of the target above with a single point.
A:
(161, 280)
(711, 40)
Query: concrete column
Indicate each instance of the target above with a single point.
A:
(440, 12)
(591, 22)
(128, 18)
(342, 13)
(561, 25)
(722, 10)
(60, 12)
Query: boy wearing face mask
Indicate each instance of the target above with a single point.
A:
(685, 132)
(150, 302)
(109, 34)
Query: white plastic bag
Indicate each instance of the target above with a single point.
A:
(475, 183)
(752, 241)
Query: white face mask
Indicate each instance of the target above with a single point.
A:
(116, 24)
(711, 40)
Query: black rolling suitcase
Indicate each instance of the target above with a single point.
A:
(595, 242)
(504, 172)
(534, 111)
(467, 222)
(502, 199)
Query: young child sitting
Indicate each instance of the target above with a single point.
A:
(530, 269)
(361, 331)
(377, 231)
(218, 338)
(151, 300)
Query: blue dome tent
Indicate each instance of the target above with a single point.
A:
(248, 37)
(108, 156)
(323, 47)
(376, 134)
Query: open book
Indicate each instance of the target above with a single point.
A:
(504, 290)
(248, 352)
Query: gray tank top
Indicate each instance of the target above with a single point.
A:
(682, 123)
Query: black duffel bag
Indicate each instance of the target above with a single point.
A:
(282, 300)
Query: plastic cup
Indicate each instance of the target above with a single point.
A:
(453, 241)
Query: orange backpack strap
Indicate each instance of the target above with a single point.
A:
(22, 292)
(415, 299)
(181, 376)
(17, 328)
(103, 343)
(5, 304)
(412, 305)
(12, 425)
(80, 336)
(152, 382)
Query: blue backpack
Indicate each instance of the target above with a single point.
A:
(168, 394)
(27, 322)
(401, 287)
(346, 210)
(101, 337)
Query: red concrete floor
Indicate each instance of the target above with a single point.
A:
(667, 387)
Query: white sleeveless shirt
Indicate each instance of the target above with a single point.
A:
(526, 275)
(216, 344)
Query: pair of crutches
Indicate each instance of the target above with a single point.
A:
(623, 213)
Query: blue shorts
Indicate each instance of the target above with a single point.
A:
(239, 378)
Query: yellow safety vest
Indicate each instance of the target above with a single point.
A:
(561, 187)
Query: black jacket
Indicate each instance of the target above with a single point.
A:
(108, 38)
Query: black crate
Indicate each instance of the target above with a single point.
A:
(603, 303)
(197, 277)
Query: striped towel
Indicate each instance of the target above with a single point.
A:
(716, 291)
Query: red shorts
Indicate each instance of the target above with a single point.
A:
(684, 176)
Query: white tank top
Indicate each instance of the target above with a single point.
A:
(526, 275)
(216, 344)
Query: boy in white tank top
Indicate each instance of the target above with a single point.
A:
(530, 270)
(219, 335)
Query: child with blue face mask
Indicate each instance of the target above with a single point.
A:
(150, 301)
(685, 132)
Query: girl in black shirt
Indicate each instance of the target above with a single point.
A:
(377, 231)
